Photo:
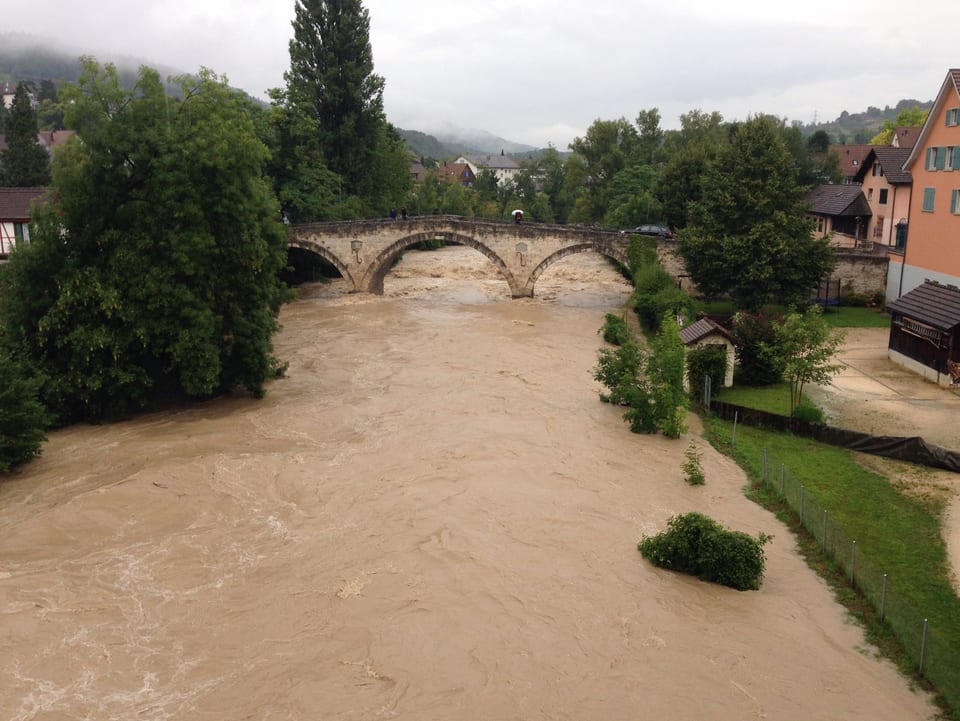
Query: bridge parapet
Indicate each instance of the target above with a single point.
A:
(364, 250)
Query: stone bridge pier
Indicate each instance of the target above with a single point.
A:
(365, 250)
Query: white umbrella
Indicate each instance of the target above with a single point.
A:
(517, 211)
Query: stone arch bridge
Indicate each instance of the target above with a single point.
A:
(364, 250)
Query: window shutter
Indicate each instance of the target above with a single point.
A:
(941, 158)
(929, 197)
(931, 154)
(955, 202)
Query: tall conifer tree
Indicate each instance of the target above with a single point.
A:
(331, 79)
(25, 163)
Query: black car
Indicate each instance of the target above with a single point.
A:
(660, 231)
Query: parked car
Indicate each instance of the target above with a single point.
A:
(660, 231)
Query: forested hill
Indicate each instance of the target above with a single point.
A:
(858, 128)
(25, 57)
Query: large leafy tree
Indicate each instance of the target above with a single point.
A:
(152, 270)
(686, 154)
(25, 163)
(333, 94)
(750, 237)
(605, 150)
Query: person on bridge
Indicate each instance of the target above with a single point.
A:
(517, 216)
(393, 213)
(403, 213)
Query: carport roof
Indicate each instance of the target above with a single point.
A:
(932, 303)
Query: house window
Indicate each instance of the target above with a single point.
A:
(878, 228)
(20, 233)
(953, 157)
(883, 196)
(929, 196)
(955, 202)
(820, 225)
(936, 158)
(953, 116)
(873, 170)
(869, 193)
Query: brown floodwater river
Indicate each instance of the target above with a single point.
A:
(431, 517)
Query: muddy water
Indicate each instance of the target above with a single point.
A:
(431, 517)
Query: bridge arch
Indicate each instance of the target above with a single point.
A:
(381, 264)
(328, 256)
(584, 247)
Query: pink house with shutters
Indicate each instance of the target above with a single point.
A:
(929, 247)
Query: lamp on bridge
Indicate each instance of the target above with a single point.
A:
(521, 250)
(355, 246)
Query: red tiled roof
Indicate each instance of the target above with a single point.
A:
(15, 203)
(907, 136)
(851, 157)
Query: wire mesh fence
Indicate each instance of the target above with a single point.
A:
(929, 652)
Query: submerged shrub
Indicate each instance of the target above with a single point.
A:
(615, 330)
(698, 545)
(692, 466)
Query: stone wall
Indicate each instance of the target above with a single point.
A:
(859, 271)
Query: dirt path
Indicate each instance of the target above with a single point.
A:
(874, 395)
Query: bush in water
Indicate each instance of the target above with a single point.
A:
(698, 545)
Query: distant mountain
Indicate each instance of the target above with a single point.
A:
(26, 57)
(449, 142)
(33, 59)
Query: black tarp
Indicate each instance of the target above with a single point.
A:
(904, 448)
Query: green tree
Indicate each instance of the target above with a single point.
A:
(633, 201)
(331, 82)
(665, 368)
(605, 150)
(25, 163)
(686, 154)
(649, 135)
(307, 189)
(552, 173)
(805, 346)
(750, 236)
(22, 415)
(908, 117)
(153, 270)
(49, 112)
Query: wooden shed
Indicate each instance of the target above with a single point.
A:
(925, 332)
(706, 332)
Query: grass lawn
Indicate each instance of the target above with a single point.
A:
(773, 399)
(856, 317)
(837, 317)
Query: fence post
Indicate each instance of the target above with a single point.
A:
(707, 391)
(733, 440)
(824, 531)
(883, 598)
(853, 564)
(763, 472)
(923, 646)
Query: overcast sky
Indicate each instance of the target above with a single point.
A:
(541, 71)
